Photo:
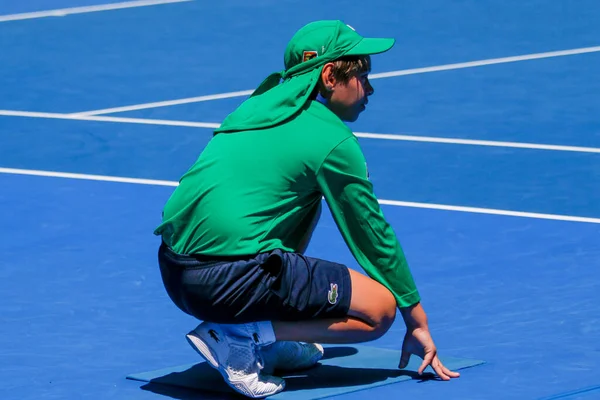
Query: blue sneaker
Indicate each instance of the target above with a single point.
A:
(290, 356)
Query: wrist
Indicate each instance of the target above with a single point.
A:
(414, 317)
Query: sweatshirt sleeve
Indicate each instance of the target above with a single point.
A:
(344, 183)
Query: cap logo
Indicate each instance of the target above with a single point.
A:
(309, 55)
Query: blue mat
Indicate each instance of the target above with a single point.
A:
(343, 369)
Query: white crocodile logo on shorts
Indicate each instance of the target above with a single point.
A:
(332, 295)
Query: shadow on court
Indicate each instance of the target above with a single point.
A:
(207, 383)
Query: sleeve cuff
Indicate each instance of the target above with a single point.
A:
(408, 299)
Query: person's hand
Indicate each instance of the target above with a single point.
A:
(418, 341)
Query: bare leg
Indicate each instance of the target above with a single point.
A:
(372, 312)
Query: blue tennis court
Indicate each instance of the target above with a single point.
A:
(482, 141)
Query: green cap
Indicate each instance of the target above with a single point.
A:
(330, 40)
(282, 94)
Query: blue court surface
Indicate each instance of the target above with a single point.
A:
(488, 172)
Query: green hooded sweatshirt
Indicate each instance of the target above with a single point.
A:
(258, 184)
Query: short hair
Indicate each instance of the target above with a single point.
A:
(346, 67)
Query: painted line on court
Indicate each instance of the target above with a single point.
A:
(102, 118)
(490, 211)
(365, 135)
(491, 61)
(473, 142)
(87, 177)
(85, 9)
(475, 210)
(412, 71)
(167, 103)
(573, 393)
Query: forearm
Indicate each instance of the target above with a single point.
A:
(370, 238)
(414, 316)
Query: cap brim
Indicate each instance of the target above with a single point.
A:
(371, 46)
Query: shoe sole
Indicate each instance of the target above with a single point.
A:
(201, 348)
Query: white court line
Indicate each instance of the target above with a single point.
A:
(384, 202)
(365, 135)
(390, 74)
(472, 142)
(85, 9)
(100, 118)
(103, 178)
(491, 61)
(491, 211)
(168, 103)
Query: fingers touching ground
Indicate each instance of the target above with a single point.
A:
(439, 368)
(404, 359)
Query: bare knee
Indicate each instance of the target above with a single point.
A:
(385, 313)
(373, 304)
(376, 307)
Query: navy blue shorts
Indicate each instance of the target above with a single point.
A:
(270, 286)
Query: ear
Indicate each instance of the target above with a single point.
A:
(327, 78)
